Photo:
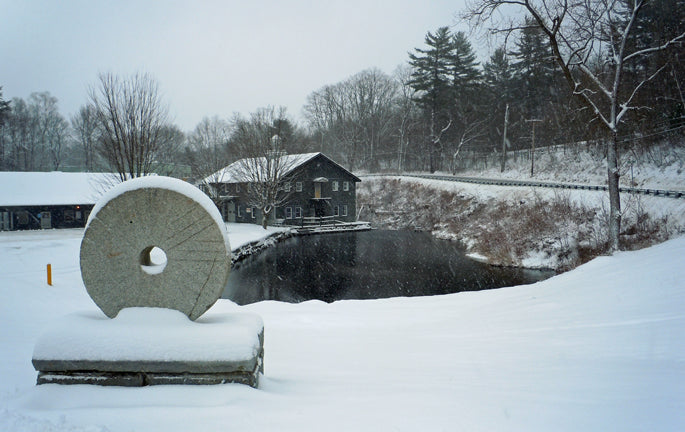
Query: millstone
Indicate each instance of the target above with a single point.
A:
(149, 216)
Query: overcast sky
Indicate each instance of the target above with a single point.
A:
(209, 57)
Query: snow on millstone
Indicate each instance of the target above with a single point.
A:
(142, 216)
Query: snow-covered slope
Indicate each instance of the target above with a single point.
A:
(658, 166)
(599, 348)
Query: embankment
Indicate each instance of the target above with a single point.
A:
(515, 226)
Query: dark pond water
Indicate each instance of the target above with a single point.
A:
(365, 265)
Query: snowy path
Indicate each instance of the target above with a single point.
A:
(599, 348)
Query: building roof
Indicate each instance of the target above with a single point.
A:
(52, 188)
(233, 173)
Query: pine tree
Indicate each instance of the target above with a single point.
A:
(659, 22)
(431, 78)
(534, 70)
(498, 79)
(463, 67)
(498, 76)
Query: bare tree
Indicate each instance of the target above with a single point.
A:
(207, 153)
(472, 129)
(589, 41)
(51, 130)
(131, 118)
(35, 134)
(84, 125)
(356, 115)
(5, 111)
(265, 164)
(407, 114)
(19, 135)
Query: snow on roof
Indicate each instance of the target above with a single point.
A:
(53, 188)
(234, 172)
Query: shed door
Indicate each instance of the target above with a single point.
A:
(4, 221)
(45, 220)
(317, 190)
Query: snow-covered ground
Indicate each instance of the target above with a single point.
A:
(659, 166)
(241, 234)
(599, 348)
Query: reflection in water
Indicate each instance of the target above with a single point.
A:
(365, 265)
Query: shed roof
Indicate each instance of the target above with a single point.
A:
(52, 188)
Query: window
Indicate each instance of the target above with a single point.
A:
(298, 212)
(249, 188)
(286, 187)
(224, 188)
(344, 213)
(298, 186)
(346, 186)
(288, 212)
(68, 215)
(252, 212)
(336, 211)
(237, 187)
(334, 186)
(240, 212)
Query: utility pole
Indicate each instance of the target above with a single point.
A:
(504, 138)
(532, 146)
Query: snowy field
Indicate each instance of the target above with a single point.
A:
(601, 348)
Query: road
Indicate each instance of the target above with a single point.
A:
(535, 183)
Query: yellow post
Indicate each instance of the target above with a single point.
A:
(50, 274)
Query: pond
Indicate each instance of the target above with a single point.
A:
(365, 265)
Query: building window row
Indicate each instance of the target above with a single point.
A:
(340, 210)
(287, 187)
(293, 212)
(335, 186)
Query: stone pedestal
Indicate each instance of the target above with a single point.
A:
(150, 346)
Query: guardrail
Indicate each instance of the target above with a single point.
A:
(529, 183)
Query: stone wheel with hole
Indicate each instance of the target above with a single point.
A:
(155, 247)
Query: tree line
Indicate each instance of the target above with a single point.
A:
(611, 71)
(432, 112)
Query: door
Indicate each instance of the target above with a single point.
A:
(230, 212)
(45, 220)
(317, 190)
(4, 221)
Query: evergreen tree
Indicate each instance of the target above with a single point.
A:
(463, 67)
(498, 79)
(534, 70)
(659, 22)
(431, 78)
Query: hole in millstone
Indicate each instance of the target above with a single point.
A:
(153, 260)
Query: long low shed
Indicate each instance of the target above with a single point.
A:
(45, 200)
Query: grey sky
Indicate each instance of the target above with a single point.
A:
(209, 57)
